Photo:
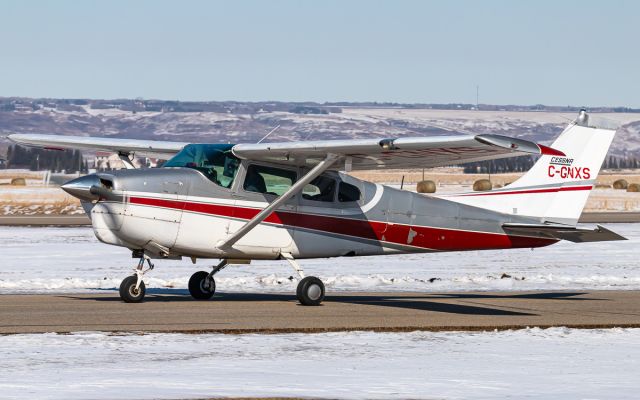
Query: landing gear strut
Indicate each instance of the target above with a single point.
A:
(132, 289)
(202, 286)
(310, 291)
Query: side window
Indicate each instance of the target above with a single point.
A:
(320, 189)
(268, 180)
(348, 192)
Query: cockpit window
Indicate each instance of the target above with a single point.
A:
(215, 161)
(269, 180)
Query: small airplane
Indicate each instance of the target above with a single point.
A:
(295, 200)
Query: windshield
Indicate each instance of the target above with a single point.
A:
(215, 161)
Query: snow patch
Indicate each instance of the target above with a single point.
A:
(530, 363)
(54, 260)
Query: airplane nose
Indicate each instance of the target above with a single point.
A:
(81, 187)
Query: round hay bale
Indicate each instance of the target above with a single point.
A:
(426, 187)
(18, 182)
(620, 184)
(602, 186)
(482, 185)
(634, 187)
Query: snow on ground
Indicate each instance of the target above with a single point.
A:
(52, 260)
(557, 363)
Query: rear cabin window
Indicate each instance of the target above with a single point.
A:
(320, 189)
(348, 193)
(268, 180)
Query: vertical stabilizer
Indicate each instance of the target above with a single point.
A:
(556, 188)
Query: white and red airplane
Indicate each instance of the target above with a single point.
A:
(294, 200)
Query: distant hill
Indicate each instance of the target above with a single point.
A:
(237, 122)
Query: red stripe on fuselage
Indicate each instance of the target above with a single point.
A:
(406, 235)
(549, 190)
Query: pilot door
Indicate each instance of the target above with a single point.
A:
(259, 186)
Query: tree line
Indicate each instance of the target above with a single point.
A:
(522, 164)
(512, 164)
(36, 159)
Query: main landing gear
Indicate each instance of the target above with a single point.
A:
(310, 291)
(202, 286)
(132, 288)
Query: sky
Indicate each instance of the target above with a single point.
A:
(581, 53)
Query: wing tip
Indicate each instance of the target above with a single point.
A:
(549, 151)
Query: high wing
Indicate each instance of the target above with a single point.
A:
(149, 148)
(360, 154)
(406, 152)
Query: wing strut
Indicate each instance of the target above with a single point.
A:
(293, 190)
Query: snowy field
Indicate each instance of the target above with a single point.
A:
(529, 364)
(53, 260)
(555, 363)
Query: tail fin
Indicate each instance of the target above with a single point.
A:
(556, 188)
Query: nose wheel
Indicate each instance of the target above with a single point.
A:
(132, 289)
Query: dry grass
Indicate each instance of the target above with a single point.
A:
(33, 200)
(8, 174)
(455, 176)
(448, 180)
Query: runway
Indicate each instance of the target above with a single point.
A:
(175, 311)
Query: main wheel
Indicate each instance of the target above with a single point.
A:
(310, 291)
(201, 286)
(128, 291)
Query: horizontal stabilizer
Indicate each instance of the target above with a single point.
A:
(576, 235)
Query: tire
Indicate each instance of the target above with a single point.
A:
(128, 292)
(310, 291)
(196, 286)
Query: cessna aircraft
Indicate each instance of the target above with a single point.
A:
(295, 200)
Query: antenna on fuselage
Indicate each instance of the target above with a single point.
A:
(270, 132)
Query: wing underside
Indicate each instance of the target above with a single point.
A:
(418, 152)
(149, 148)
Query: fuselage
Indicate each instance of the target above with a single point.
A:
(175, 212)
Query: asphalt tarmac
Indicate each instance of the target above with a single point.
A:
(171, 310)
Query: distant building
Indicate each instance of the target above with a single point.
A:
(23, 108)
(106, 161)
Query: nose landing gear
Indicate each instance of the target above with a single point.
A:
(132, 288)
